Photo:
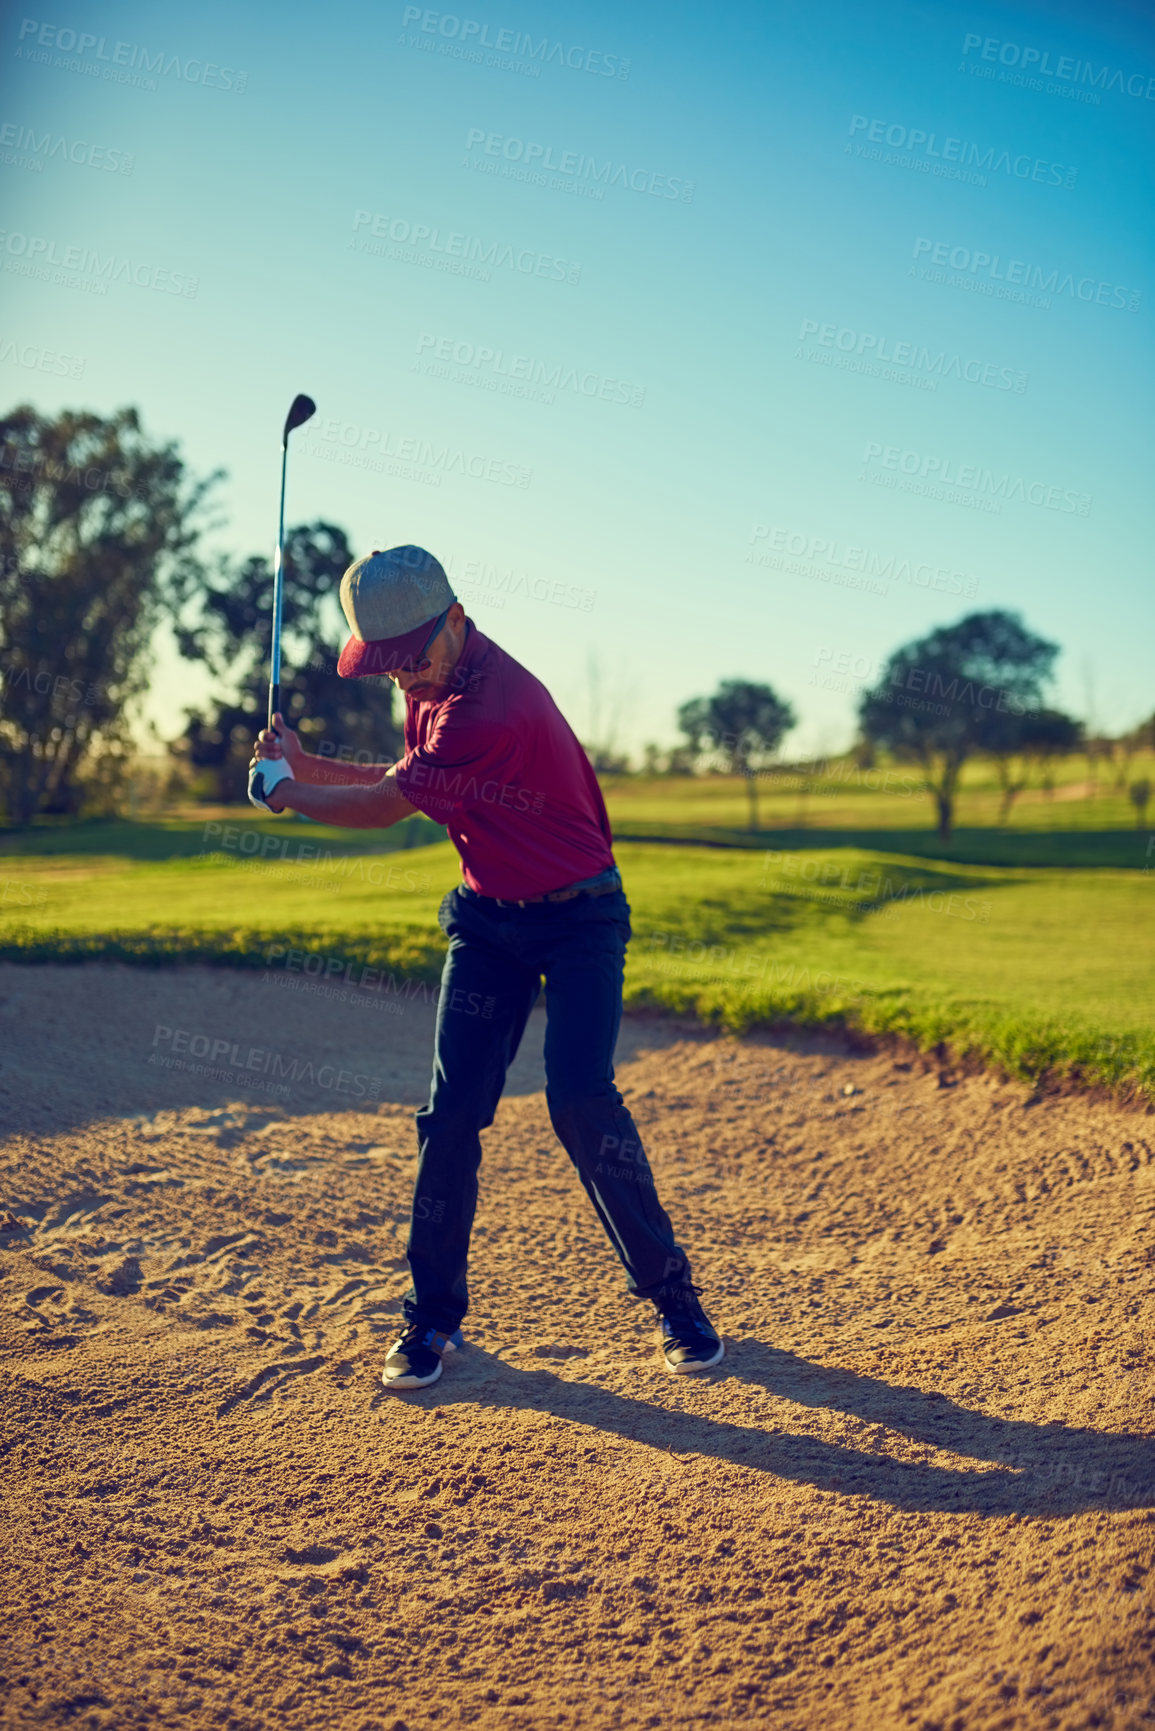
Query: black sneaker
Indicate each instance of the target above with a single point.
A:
(689, 1340)
(414, 1361)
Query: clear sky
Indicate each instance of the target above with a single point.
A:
(696, 342)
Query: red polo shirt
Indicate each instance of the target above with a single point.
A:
(497, 763)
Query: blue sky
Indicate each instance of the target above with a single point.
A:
(743, 470)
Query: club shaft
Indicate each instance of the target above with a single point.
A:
(278, 596)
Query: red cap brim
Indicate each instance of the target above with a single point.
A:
(384, 655)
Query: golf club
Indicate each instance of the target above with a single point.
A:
(263, 778)
(303, 408)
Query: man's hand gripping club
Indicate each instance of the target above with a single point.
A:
(284, 776)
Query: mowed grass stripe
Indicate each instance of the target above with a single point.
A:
(1040, 970)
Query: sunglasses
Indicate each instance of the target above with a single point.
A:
(423, 662)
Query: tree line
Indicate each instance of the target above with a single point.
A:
(976, 688)
(101, 541)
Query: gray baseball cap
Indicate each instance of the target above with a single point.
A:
(390, 599)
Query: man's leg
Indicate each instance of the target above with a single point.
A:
(486, 996)
(583, 961)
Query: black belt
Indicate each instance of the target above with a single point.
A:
(598, 886)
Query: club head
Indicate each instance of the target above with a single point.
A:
(303, 408)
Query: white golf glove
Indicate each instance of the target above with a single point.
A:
(263, 778)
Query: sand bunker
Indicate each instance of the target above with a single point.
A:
(921, 1494)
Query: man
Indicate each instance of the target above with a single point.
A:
(489, 755)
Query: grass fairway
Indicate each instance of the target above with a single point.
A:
(1077, 824)
(1040, 969)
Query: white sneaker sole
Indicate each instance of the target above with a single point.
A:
(691, 1367)
(408, 1380)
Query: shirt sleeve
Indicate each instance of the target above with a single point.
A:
(462, 764)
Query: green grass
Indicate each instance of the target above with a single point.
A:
(1125, 849)
(238, 832)
(1041, 970)
(1078, 824)
(1045, 973)
(169, 891)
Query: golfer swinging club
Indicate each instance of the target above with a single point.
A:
(489, 755)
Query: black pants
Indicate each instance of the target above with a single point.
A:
(493, 974)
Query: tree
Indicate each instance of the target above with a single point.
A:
(231, 631)
(1141, 738)
(1126, 746)
(1139, 794)
(743, 722)
(1053, 736)
(601, 744)
(98, 541)
(1097, 749)
(1019, 742)
(943, 697)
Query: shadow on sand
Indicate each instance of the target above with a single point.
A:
(1035, 1469)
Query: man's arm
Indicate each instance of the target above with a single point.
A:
(350, 795)
(331, 772)
(368, 806)
(308, 767)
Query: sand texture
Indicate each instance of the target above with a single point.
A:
(919, 1492)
